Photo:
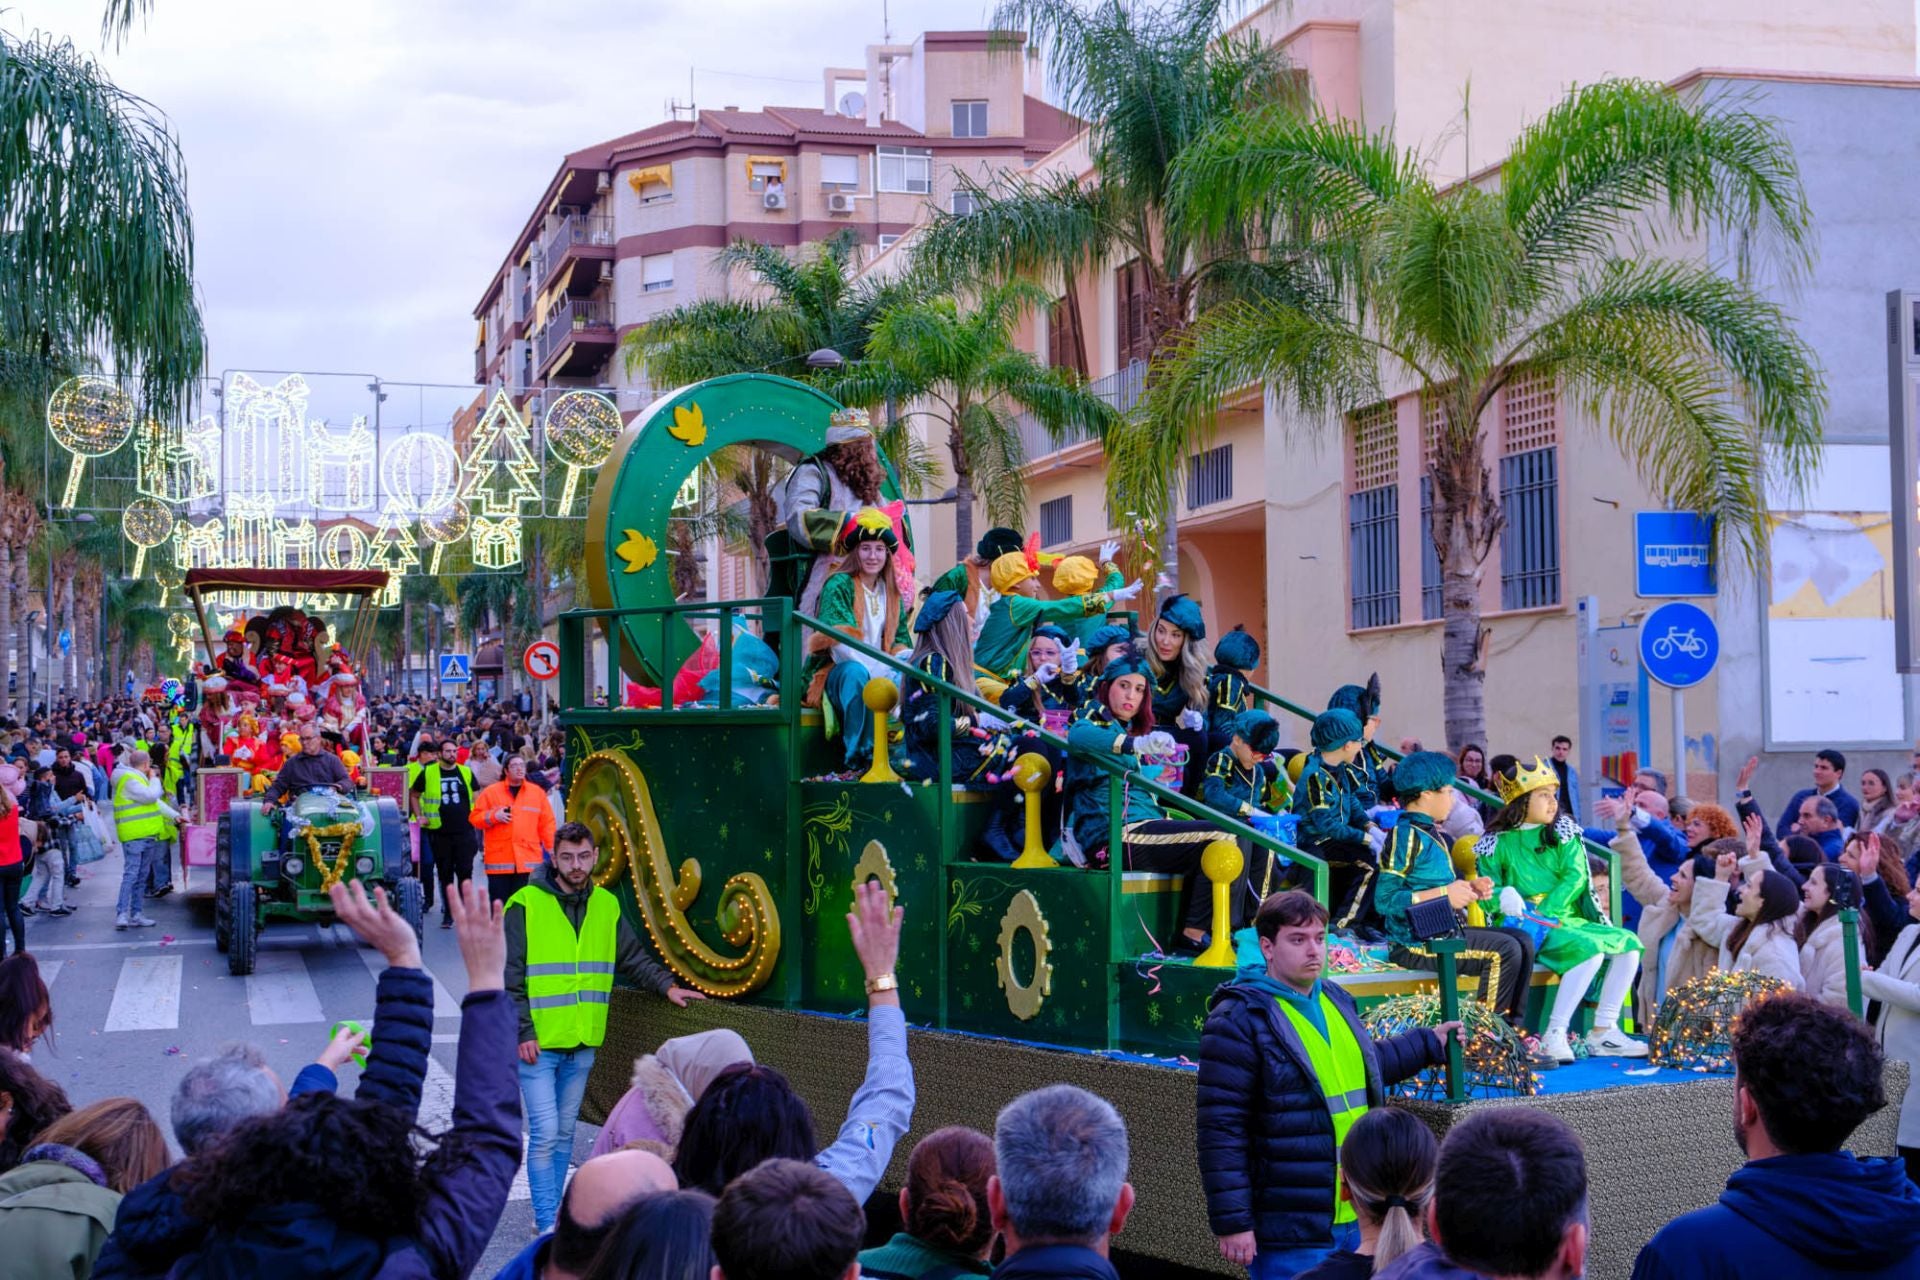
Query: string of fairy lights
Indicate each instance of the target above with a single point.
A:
(268, 485)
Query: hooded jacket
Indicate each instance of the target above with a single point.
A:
(630, 959)
(664, 1088)
(54, 1214)
(1796, 1217)
(1264, 1132)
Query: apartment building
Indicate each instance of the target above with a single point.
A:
(1309, 533)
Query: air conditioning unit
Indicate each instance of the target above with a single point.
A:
(606, 272)
(773, 200)
(840, 202)
(604, 182)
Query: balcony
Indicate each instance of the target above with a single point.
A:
(577, 338)
(575, 248)
(1121, 389)
(480, 364)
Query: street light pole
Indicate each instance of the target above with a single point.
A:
(27, 631)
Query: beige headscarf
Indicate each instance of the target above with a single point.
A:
(695, 1060)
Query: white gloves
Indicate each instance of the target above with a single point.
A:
(1512, 905)
(1070, 658)
(987, 596)
(1045, 673)
(1157, 743)
(1376, 840)
(987, 720)
(1191, 719)
(1121, 595)
(1108, 550)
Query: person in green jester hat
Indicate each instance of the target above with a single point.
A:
(1534, 858)
(1012, 611)
(864, 600)
(1334, 825)
(1416, 867)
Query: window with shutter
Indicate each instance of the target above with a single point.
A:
(1063, 343)
(1530, 493)
(1130, 298)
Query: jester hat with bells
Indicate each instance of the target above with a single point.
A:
(881, 524)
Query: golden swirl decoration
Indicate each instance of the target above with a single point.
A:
(1024, 999)
(874, 864)
(610, 795)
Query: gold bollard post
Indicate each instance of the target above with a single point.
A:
(1030, 773)
(1222, 864)
(881, 697)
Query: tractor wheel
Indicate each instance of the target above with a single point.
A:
(244, 941)
(222, 882)
(410, 900)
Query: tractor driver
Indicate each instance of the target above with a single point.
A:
(315, 766)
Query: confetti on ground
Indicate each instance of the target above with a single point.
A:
(165, 939)
(173, 1051)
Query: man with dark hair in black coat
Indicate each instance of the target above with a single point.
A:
(1286, 1068)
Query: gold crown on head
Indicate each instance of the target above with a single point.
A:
(855, 418)
(1524, 780)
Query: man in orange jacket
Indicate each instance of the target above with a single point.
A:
(516, 825)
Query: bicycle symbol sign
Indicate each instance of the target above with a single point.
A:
(1679, 644)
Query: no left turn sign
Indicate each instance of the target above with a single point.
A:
(542, 660)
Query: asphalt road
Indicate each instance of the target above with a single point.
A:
(133, 1010)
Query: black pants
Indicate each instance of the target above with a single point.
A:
(503, 885)
(1501, 958)
(1912, 1156)
(1352, 872)
(1174, 847)
(11, 878)
(447, 857)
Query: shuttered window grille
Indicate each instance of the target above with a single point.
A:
(1130, 310)
(1530, 493)
(1056, 521)
(1430, 607)
(1210, 476)
(1376, 446)
(1373, 556)
(1063, 339)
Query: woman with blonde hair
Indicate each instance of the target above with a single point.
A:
(1177, 662)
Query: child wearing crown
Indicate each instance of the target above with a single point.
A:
(1538, 865)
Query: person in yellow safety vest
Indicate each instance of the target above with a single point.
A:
(566, 941)
(1286, 1068)
(141, 816)
(169, 757)
(442, 795)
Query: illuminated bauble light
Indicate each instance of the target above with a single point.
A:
(89, 417)
(148, 522)
(421, 472)
(582, 428)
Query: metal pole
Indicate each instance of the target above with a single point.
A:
(1850, 955)
(1444, 950)
(1679, 744)
(1588, 632)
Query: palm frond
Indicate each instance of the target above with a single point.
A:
(998, 460)
(1020, 226)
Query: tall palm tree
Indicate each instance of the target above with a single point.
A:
(1151, 81)
(966, 372)
(1544, 272)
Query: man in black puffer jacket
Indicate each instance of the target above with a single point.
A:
(1285, 1070)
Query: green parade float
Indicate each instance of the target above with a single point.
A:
(722, 839)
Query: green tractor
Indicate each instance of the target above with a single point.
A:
(279, 865)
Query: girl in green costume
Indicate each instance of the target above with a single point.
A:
(862, 600)
(1538, 866)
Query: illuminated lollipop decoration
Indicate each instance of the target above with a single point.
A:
(90, 417)
(442, 527)
(147, 523)
(582, 428)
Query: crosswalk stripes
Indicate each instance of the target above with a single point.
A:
(279, 991)
(146, 997)
(50, 969)
(436, 1116)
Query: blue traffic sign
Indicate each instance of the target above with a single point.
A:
(66, 640)
(1679, 644)
(1673, 554)
(456, 668)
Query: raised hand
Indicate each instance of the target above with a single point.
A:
(1745, 780)
(1070, 657)
(875, 926)
(1121, 595)
(1752, 829)
(1108, 550)
(479, 926)
(377, 923)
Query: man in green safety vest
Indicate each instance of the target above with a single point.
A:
(441, 790)
(1286, 1068)
(566, 941)
(141, 820)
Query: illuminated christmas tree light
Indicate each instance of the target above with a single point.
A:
(89, 417)
(394, 550)
(500, 476)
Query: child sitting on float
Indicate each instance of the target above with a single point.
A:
(943, 649)
(1049, 693)
(865, 600)
(1228, 687)
(1119, 732)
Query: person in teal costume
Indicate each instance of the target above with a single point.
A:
(1334, 825)
(862, 600)
(1049, 691)
(1000, 650)
(1177, 661)
(943, 649)
(1366, 769)
(1228, 687)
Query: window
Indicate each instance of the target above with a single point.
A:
(964, 203)
(762, 170)
(653, 184)
(1430, 603)
(1210, 476)
(1130, 290)
(840, 171)
(1056, 521)
(887, 242)
(1530, 494)
(656, 272)
(1373, 556)
(1065, 349)
(908, 169)
(969, 119)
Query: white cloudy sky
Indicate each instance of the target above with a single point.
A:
(358, 167)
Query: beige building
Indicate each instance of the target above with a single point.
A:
(1310, 534)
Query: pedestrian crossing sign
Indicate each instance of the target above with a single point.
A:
(456, 668)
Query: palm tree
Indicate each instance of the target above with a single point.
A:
(1541, 272)
(1151, 80)
(967, 372)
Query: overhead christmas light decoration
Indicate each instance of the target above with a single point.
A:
(250, 526)
(266, 437)
(394, 550)
(446, 526)
(166, 467)
(148, 522)
(89, 417)
(340, 466)
(180, 628)
(421, 472)
(582, 429)
(295, 546)
(344, 546)
(199, 546)
(499, 476)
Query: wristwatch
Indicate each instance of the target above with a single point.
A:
(885, 982)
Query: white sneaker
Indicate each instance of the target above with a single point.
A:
(1612, 1042)
(143, 922)
(120, 921)
(1555, 1042)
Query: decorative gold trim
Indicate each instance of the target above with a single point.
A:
(1024, 1000)
(348, 832)
(875, 865)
